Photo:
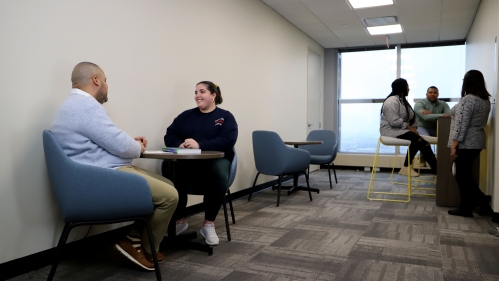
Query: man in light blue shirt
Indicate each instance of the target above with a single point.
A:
(88, 136)
(428, 110)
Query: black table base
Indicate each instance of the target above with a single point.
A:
(295, 187)
(185, 241)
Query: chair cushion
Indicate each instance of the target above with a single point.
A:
(394, 141)
(320, 159)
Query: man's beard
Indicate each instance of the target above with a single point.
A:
(101, 97)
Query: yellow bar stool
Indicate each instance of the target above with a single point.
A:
(426, 179)
(388, 141)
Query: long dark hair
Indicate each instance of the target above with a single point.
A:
(213, 88)
(399, 88)
(474, 83)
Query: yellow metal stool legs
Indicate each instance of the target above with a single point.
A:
(370, 189)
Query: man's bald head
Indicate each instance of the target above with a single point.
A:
(83, 72)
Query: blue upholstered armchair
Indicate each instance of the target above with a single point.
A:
(273, 157)
(325, 153)
(88, 195)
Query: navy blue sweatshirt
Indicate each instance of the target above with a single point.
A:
(216, 130)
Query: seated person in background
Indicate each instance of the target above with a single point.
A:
(88, 136)
(205, 127)
(428, 110)
(398, 121)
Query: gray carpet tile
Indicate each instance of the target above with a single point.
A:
(339, 235)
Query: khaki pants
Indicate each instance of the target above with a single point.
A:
(164, 198)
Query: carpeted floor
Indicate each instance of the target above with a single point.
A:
(340, 235)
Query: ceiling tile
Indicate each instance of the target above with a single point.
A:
(402, 3)
(303, 19)
(349, 32)
(290, 9)
(348, 24)
(458, 14)
(336, 16)
(275, 2)
(376, 12)
(357, 41)
(420, 17)
(312, 27)
(457, 23)
(422, 36)
(329, 42)
(453, 33)
(460, 4)
(335, 23)
(394, 39)
(418, 25)
(327, 6)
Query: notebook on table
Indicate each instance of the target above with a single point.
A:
(178, 150)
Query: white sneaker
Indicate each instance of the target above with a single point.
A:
(179, 228)
(208, 232)
(403, 172)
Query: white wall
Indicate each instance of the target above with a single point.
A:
(480, 55)
(153, 53)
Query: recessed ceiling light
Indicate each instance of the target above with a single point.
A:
(358, 4)
(385, 29)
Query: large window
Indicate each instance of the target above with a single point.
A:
(365, 79)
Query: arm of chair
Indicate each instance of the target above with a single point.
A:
(297, 160)
(232, 172)
(100, 193)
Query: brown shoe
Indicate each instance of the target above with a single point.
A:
(132, 249)
(160, 256)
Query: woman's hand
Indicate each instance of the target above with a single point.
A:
(414, 130)
(453, 150)
(189, 143)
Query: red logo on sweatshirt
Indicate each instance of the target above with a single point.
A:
(219, 122)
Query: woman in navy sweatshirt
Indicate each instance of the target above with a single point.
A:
(206, 127)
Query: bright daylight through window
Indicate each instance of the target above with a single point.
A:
(365, 82)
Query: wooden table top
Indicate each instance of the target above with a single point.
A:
(158, 154)
(301, 142)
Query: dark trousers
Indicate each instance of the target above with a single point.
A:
(200, 177)
(471, 195)
(419, 144)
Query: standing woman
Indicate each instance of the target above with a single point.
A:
(398, 121)
(206, 127)
(467, 139)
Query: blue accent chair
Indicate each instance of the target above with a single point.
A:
(273, 157)
(88, 195)
(325, 153)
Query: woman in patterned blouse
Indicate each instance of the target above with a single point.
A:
(466, 140)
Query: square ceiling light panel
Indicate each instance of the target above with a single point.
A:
(384, 29)
(358, 4)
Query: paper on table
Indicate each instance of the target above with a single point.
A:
(156, 152)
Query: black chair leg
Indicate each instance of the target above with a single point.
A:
(279, 190)
(308, 186)
(231, 208)
(251, 192)
(334, 170)
(153, 250)
(226, 216)
(62, 241)
(329, 172)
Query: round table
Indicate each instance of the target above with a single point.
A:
(158, 154)
(186, 239)
(295, 186)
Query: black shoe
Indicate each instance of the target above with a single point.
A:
(485, 209)
(460, 213)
